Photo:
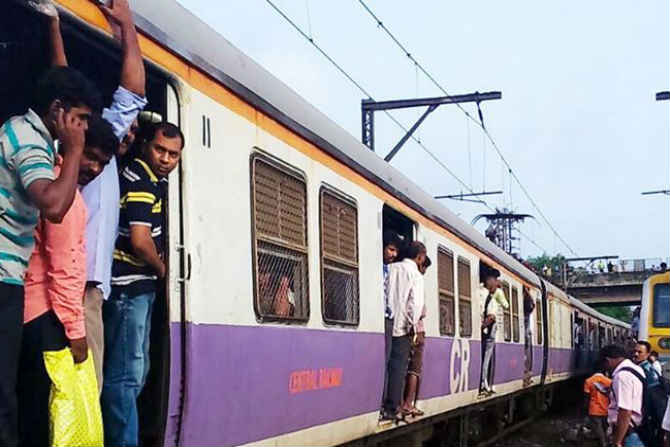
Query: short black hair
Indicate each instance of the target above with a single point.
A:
(100, 134)
(413, 249)
(613, 352)
(391, 238)
(646, 344)
(166, 128)
(488, 272)
(69, 86)
(654, 353)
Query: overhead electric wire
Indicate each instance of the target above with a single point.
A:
(409, 55)
(391, 117)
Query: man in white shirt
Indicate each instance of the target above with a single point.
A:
(492, 298)
(404, 288)
(625, 410)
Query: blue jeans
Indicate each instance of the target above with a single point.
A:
(127, 324)
(633, 440)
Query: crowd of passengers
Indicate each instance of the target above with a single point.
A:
(404, 265)
(81, 237)
(626, 400)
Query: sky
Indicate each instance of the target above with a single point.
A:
(578, 120)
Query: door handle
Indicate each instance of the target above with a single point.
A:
(187, 277)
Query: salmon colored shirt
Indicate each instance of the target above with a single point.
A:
(598, 399)
(56, 275)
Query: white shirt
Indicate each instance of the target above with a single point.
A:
(666, 419)
(626, 393)
(405, 294)
(103, 193)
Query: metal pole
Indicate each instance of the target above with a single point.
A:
(407, 136)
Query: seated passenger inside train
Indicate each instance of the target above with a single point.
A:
(275, 290)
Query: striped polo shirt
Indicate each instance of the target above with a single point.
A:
(141, 204)
(26, 154)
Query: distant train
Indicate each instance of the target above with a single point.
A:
(655, 315)
(271, 195)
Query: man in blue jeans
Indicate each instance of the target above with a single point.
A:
(138, 264)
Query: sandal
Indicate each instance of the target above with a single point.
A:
(417, 413)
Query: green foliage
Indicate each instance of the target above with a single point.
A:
(555, 262)
(622, 313)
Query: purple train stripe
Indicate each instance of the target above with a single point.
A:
(248, 383)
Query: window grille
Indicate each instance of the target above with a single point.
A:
(507, 314)
(515, 315)
(279, 200)
(339, 259)
(464, 298)
(445, 279)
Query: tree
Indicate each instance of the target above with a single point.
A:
(554, 262)
(622, 313)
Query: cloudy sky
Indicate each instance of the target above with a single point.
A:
(578, 121)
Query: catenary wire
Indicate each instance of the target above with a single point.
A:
(409, 55)
(390, 116)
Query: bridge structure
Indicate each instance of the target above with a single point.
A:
(618, 284)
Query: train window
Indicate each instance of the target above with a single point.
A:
(515, 315)
(661, 310)
(538, 321)
(445, 282)
(339, 259)
(280, 230)
(464, 298)
(507, 314)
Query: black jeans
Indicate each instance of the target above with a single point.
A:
(11, 328)
(397, 370)
(388, 336)
(44, 333)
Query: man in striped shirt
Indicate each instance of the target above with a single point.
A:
(138, 264)
(64, 101)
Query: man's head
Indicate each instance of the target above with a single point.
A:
(101, 145)
(426, 263)
(67, 89)
(416, 251)
(491, 281)
(128, 139)
(641, 351)
(391, 247)
(653, 356)
(613, 355)
(664, 266)
(162, 148)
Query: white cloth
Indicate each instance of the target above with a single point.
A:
(657, 366)
(405, 295)
(626, 393)
(666, 419)
(102, 195)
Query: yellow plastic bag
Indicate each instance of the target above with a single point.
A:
(75, 418)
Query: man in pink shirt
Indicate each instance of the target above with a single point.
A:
(54, 291)
(625, 410)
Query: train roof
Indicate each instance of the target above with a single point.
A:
(594, 313)
(187, 36)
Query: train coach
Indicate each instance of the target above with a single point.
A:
(270, 193)
(655, 316)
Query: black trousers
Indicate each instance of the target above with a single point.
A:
(388, 337)
(397, 370)
(11, 328)
(44, 333)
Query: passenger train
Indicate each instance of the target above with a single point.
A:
(272, 195)
(655, 316)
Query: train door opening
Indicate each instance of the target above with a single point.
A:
(397, 223)
(24, 51)
(488, 334)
